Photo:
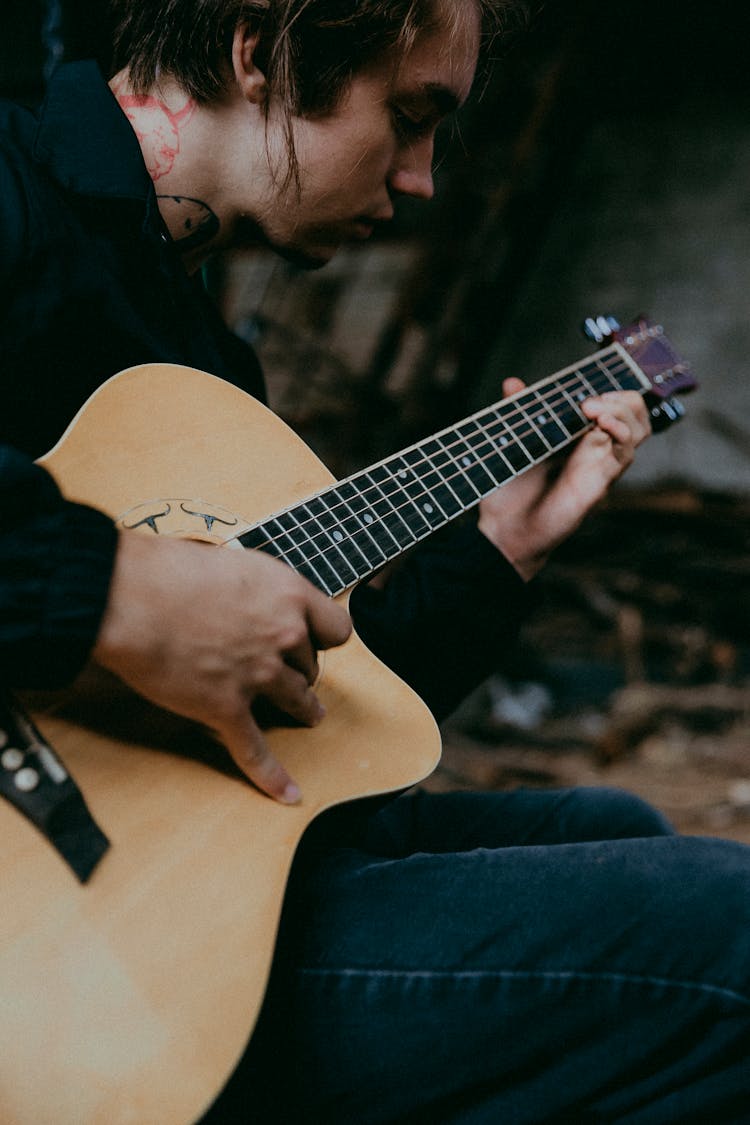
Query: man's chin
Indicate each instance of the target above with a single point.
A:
(305, 259)
(313, 254)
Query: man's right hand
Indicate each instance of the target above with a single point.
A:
(205, 632)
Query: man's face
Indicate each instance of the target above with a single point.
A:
(377, 144)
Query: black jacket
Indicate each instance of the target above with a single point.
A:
(90, 284)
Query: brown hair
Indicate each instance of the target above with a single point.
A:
(309, 49)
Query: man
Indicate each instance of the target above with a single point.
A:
(445, 959)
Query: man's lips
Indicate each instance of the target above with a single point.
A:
(362, 228)
(364, 225)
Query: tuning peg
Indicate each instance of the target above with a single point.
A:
(600, 328)
(664, 413)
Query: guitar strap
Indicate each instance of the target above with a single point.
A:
(36, 783)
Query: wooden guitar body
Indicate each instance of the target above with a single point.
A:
(129, 999)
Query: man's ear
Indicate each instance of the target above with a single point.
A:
(249, 77)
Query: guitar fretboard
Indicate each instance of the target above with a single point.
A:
(347, 532)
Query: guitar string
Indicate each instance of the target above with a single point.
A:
(526, 417)
(530, 421)
(410, 503)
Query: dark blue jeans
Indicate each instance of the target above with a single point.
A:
(506, 959)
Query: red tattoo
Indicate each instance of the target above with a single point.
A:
(158, 125)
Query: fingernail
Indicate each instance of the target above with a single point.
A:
(292, 795)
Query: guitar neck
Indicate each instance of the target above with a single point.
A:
(344, 534)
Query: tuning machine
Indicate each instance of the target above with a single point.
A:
(600, 329)
(663, 412)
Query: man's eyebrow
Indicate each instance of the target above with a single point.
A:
(445, 100)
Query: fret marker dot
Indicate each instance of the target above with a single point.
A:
(428, 508)
(338, 535)
(542, 419)
(466, 461)
(368, 518)
(503, 441)
(403, 474)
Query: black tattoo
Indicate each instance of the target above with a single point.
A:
(191, 222)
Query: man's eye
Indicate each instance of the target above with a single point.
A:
(411, 125)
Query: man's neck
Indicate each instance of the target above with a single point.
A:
(168, 125)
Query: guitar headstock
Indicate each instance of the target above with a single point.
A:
(667, 372)
(661, 363)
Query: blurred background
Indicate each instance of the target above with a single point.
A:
(604, 170)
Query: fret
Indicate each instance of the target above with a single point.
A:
(282, 537)
(548, 423)
(580, 389)
(259, 539)
(304, 554)
(346, 532)
(612, 383)
(415, 487)
(360, 523)
(280, 543)
(380, 488)
(513, 449)
(503, 444)
(575, 420)
(442, 462)
(329, 539)
(492, 458)
(393, 481)
(420, 459)
(533, 442)
(627, 380)
(591, 375)
(469, 452)
(457, 476)
(376, 513)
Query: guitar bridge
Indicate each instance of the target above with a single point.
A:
(34, 780)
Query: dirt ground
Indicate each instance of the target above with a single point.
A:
(701, 782)
(634, 670)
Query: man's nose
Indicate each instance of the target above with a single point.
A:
(411, 173)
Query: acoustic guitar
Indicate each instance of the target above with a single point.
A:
(143, 876)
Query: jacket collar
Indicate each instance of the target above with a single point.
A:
(85, 139)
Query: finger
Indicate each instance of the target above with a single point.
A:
(249, 750)
(512, 386)
(303, 657)
(627, 406)
(292, 694)
(328, 622)
(617, 428)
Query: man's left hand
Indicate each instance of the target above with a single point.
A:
(532, 515)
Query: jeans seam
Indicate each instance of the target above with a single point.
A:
(527, 974)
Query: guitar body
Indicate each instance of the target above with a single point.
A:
(132, 997)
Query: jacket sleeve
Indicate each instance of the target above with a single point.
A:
(56, 561)
(444, 617)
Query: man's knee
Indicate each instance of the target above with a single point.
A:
(616, 814)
